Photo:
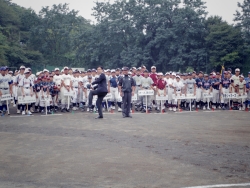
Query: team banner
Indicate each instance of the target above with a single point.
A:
(68, 93)
(6, 97)
(26, 99)
(234, 96)
(145, 92)
(161, 98)
(207, 95)
(183, 96)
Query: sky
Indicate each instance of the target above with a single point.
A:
(224, 8)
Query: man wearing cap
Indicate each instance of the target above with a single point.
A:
(57, 79)
(199, 89)
(66, 86)
(113, 89)
(178, 85)
(216, 91)
(234, 88)
(101, 91)
(75, 83)
(153, 76)
(248, 90)
(241, 91)
(126, 89)
(138, 78)
(225, 89)
(5, 87)
(206, 88)
(18, 93)
(26, 84)
(146, 83)
(161, 90)
(190, 89)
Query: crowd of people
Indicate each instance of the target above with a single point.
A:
(55, 83)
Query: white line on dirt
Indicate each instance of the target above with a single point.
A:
(222, 185)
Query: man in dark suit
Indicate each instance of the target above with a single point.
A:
(101, 91)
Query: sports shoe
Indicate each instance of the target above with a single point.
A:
(14, 105)
(204, 108)
(29, 113)
(74, 108)
(198, 106)
(87, 109)
(113, 107)
(67, 110)
(32, 110)
(240, 108)
(192, 106)
(243, 108)
(208, 108)
(23, 112)
(119, 109)
(18, 111)
(174, 109)
(170, 108)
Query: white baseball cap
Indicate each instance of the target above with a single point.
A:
(178, 76)
(153, 67)
(160, 74)
(26, 71)
(65, 68)
(113, 70)
(22, 67)
(173, 74)
(45, 70)
(237, 70)
(57, 69)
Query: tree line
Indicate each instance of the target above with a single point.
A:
(170, 34)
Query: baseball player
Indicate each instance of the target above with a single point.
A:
(5, 87)
(178, 85)
(75, 83)
(241, 91)
(154, 77)
(234, 87)
(146, 83)
(137, 78)
(17, 80)
(224, 89)
(248, 90)
(66, 85)
(206, 88)
(26, 87)
(161, 90)
(113, 89)
(199, 80)
(216, 91)
(190, 89)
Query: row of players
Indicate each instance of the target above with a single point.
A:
(54, 84)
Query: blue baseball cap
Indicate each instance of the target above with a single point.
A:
(1, 68)
(248, 72)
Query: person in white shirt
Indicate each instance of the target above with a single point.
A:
(178, 86)
(75, 83)
(66, 86)
(5, 87)
(17, 80)
(26, 85)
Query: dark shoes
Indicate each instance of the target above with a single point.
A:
(99, 117)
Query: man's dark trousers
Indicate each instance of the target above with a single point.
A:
(126, 99)
(98, 101)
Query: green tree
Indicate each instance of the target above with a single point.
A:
(224, 44)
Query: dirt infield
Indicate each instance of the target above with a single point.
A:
(149, 150)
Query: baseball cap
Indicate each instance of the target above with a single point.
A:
(167, 73)
(26, 71)
(57, 69)
(143, 66)
(153, 67)
(237, 70)
(173, 74)
(178, 76)
(29, 69)
(118, 69)
(129, 72)
(65, 68)
(108, 70)
(225, 72)
(160, 74)
(89, 70)
(206, 75)
(125, 68)
(45, 70)
(145, 70)
(10, 72)
(241, 76)
(248, 72)
(22, 67)
(133, 67)
(93, 70)
(217, 73)
(113, 70)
